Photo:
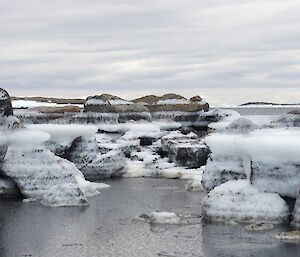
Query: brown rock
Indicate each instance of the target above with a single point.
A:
(196, 98)
(5, 103)
(62, 109)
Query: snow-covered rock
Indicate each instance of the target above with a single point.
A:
(241, 202)
(94, 161)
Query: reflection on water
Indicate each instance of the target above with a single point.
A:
(106, 227)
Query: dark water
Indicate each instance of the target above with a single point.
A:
(106, 227)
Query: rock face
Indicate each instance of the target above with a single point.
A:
(296, 214)
(95, 162)
(109, 104)
(185, 150)
(240, 202)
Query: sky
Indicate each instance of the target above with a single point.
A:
(229, 52)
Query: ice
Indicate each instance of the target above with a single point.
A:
(62, 136)
(271, 156)
(64, 195)
(95, 101)
(241, 202)
(119, 101)
(18, 104)
(36, 170)
(173, 101)
(164, 218)
(289, 236)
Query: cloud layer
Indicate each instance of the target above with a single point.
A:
(228, 51)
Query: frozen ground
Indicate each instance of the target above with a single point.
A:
(107, 227)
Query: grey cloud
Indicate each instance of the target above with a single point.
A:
(141, 46)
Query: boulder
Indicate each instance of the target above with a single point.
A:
(95, 162)
(185, 150)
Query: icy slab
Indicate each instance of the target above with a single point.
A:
(241, 202)
(164, 218)
(64, 195)
(288, 236)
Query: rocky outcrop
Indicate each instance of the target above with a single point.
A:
(109, 104)
(62, 109)
(185, 150)
(95, 162)
(174, 107)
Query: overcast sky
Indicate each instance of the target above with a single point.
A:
(228, 51)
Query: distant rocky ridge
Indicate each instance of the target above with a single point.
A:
(267, 103)
(50, 99)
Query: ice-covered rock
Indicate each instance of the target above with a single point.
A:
(62, 136)
(185, 150)
(241, 125)
(291, 119)
(241, 202)
(35, 169)
(268, 157)
(94, 161)
(221, 169)
(296, 214)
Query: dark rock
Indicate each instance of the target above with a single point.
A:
(196, 98)
(93, 161)
(5, 104)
